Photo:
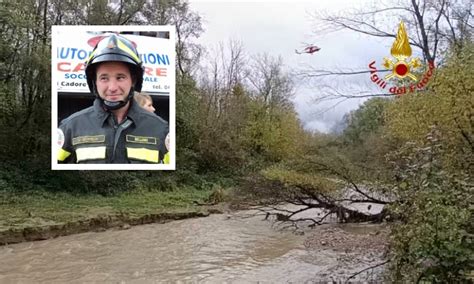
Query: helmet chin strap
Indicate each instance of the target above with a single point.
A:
(114, 105)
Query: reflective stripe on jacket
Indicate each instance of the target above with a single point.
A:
(93, 136)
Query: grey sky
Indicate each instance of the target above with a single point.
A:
(280, 27)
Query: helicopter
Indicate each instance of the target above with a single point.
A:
(310, 49)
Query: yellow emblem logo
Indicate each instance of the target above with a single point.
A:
(401, 50)
(401, 65)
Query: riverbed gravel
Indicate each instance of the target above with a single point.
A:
(354, 247)
(349, 239)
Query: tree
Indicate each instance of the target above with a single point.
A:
(433, 240)
(366, 120)
(246, 112)
(222, 107)
(448, 105)
(188, 27)
(96, 12)
(436, 24)
(273, 129)
(220, 75)
(24, 69)
(271, 84)
(433, 26)
(364, 140)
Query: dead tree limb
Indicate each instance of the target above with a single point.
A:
(365, 269)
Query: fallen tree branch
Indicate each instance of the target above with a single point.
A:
(368, 268)
(363, 201)
(347, 179)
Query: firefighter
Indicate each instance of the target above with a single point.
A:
(146, 102)
(115, 129)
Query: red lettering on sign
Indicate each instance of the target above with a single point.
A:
(79, 67)
(66, 67)
(148, 71)
(61, 68)
(161, 72)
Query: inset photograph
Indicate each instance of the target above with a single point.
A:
(113, 98)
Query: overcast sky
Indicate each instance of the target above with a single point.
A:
(280, 27)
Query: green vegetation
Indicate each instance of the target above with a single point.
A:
(226, 127)
(435, 168)
(414, 153)
(418, 151)
(433, 240)
(40, 207)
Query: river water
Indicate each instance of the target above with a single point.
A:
(231, 248)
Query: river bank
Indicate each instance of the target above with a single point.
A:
(39, 215)
(216, 248)
(235, 247)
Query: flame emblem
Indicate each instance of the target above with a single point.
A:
(401, 50)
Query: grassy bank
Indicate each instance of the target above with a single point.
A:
(36, 204)
(20, 210)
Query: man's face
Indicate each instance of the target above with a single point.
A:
(113, 81)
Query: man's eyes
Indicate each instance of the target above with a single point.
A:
(120, 77)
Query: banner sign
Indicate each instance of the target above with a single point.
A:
(157, 55)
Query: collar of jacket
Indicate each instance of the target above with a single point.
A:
(102, 114)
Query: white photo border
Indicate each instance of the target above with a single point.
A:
(54, 99)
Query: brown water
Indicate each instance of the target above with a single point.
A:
(215, 249)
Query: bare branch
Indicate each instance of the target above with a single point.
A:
(373, 32)
(424, 37)
(363, 201)
(399, 8)
(368, 268)
(348, 179)
(436, 33)
(324, 73)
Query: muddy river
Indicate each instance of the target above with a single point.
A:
(231, 248)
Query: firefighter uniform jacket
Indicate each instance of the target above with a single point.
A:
(93, 136)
